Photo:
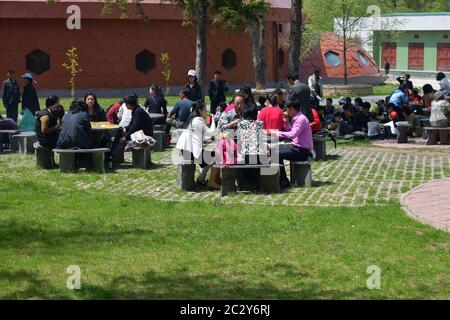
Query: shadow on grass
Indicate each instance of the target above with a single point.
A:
(179, 284)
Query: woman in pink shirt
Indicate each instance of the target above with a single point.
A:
(300, 133)
(272, 115)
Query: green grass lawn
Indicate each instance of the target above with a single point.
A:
(135, 247)
(384, 89)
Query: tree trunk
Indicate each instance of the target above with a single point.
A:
(259, 61)
(345, 58)
(295, 37)
(201, 28)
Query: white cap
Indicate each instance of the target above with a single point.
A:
(192, 73)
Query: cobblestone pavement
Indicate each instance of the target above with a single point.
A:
(429, 203)
(350, 177)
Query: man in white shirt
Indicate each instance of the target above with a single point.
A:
(315, 83)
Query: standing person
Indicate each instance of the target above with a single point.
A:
(193, 89)
(95, 112)
(405, 83)
(443, 82)
(48, 125)
(293, 79)
(387, 66)
(216, 91)
(29, 96)
(315, 84)
(156, 103)
(301, 93)
(11, 96)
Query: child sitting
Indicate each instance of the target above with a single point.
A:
(374, 128)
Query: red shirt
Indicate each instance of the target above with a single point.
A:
(316, 125)
(272, 117)
(111, 116)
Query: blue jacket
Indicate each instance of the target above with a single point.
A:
(398, 98)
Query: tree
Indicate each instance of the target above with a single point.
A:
(232, 14)
(295, 37)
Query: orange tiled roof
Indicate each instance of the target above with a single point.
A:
(334, 43)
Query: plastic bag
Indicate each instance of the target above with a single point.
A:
(28, 121)
(140, 139)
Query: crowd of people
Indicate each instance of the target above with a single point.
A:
(242, 125)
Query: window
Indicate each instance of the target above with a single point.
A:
(333, 58)
(37, 61)
(362, 58)
(280, 28)
(416, 36)
(280, 58)
(445, 36)
(145, 61)
(228, 59)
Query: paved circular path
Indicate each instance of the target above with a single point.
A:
(430, 203)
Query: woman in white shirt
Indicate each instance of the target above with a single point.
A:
(191, 140)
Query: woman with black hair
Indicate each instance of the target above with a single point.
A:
(156, 103)
(95, 112)
(48, 125)
(76, 130)
(443, 82)
(191, 142)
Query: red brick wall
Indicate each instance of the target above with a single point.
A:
(107, 50)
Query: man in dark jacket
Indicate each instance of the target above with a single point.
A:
(301, 92)
(405, 83)
(76, 131)
(11, 96)
(140, 119)
(29, 96)
(216, 91)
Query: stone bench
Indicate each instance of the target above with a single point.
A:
(67, 159)
(159, 137)
(269, 181)
(44, 156)
(186, 175)
(402, 128)
(320, 147)
(301, 173)
(432, 133)
(141, 157)
(23, 142)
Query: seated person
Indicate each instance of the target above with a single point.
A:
(156, 103)
(362, 117)
(278, 94)
(428, 95)
(358, 104)
(180, 113)
(299, 132)
(316, 124)
(416, 129)
(51, 100)
(440, 110)
(6, 124)
(374, 131)
(263, 101)
(140, 120)
(399, 98)
(230, 119)
(191, 141)
(113, 112)
(349, 117)
(251, 143)
(272, 115)
(76, 130)
(339, 125)
(95, 112)
(329, 111)
(48, 124)
(414, 97)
